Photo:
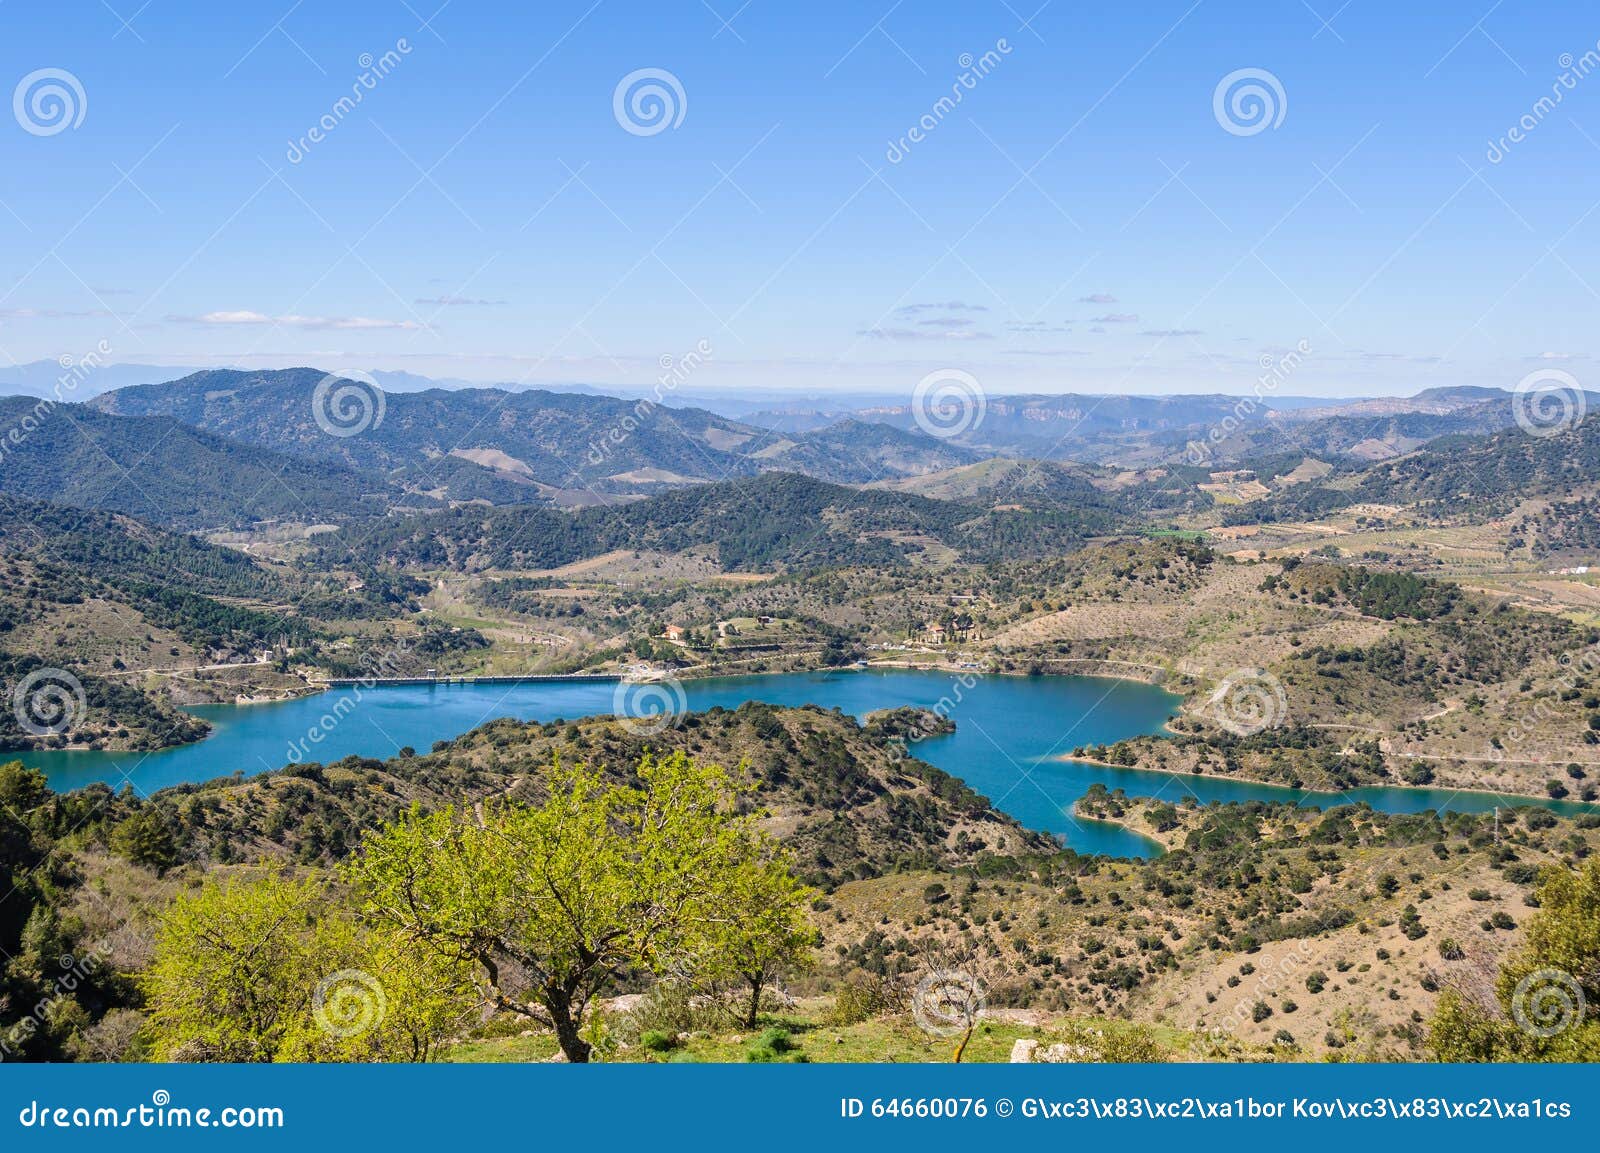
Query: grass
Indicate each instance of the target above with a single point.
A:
(880, 1039)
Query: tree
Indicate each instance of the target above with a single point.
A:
(1543, 1003)
(756, 925)
(271, 969)
(234, 964)
(950, 997)
(552, 901)
(145, 839)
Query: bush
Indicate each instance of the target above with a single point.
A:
(1260, 1012)
(669, 1008)
(858, 1001)
(658, 1040)
(777, 1039)
(771, 1046)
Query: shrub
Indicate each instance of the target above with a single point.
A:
(772, 1045)
(658, 1040)
(777, 1039)
(858, 1001)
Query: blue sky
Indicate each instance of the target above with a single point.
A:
(1081, 220)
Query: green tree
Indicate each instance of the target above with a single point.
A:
(756, 926)
(234, 965)
(552, 901)
(145, 839)
(1546, 994)
(272, 969)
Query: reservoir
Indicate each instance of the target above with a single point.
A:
(1011, 736)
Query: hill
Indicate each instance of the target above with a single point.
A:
(1097, 429)
(770, 522)
(161, 470)
(1473, 477)
(1034, 483)
(518, 447)
(859, 452)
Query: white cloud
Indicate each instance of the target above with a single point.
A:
(312, 323)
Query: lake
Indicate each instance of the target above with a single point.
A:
(1010, 735)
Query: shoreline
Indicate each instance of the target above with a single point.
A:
(1128, 672)
(1339, 797)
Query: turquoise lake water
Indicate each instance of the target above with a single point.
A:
(1010, 735)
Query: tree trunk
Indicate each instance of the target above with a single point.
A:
(961, 1049)
(575, 1047)
(755, 1001)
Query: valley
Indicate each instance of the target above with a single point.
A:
(1253, 754)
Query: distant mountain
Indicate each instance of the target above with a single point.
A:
(1363, 433)
(1033, 483)
(775, 521)
(1479, 477)
(858, 452)
(1097, 429)
(507, 447)
(1433, 401)
(48, 378)
(163, 471)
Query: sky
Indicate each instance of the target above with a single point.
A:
(1406, 193)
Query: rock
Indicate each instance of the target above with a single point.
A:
(1023, 1050)
(1061, 1054)
(557, 1059)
